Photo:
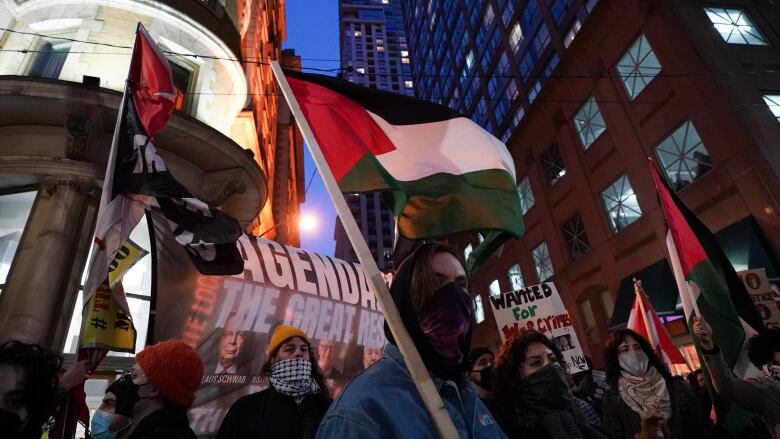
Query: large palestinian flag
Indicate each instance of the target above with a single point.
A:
(709, 287)
(440, 172)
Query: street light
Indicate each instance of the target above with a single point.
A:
(307, 222)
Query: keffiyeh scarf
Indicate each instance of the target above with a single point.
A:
(646, 394)
(293, 377)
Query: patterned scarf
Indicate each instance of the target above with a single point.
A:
(646, 394)
(293, 378)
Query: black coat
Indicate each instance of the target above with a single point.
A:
(167, 423)
(269, 414)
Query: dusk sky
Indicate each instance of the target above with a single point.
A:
(314, 34)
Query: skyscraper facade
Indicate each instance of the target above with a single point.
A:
(488, 59)
(374, 53)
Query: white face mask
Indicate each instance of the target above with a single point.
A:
(634, 362)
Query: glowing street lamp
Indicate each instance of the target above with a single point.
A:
(307, 222)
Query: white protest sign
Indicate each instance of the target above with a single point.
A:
(765, 297)
(539, 308)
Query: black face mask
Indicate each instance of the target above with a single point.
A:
(10, 422)
(126, 392)
(546, 390)
(485, 377)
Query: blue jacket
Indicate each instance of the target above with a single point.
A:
(382, 402)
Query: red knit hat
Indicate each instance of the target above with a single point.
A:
(175, 368)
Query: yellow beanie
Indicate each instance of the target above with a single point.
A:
(282, 333)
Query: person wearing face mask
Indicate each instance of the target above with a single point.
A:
(760, 394)
(531, 397)
(294, 403)
(29, 392)
(105, 423)
(479, 367)
(429, 291)
(156, 394)
(645, 400)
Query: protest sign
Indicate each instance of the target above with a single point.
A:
(765, 296)
(229, 319)
(539, 308)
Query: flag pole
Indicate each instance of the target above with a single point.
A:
(638, 291)
(422, 379)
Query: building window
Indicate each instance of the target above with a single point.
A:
(575, 27)
(49, 60)
(638, 67)
(773, 102)
(467, 251)
(137, 283)
(526, 195)
(16, 209)
(182, 80)
(591, 329)
(408, 84)
(516, 37)
(589, 122)
(542, 262)
(552, 164)
(575, 237)
(683, 156)
(607, 303)
(479, 310)
(621, 204)
(516, 278)
(358, 33)
(495, 288)
(470, 60)
(735, 27)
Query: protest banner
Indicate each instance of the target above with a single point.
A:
(539, 308)
(229, 319)
(765, 296)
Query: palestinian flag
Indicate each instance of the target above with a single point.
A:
(644, 321)
(440, 172)
(709, 287)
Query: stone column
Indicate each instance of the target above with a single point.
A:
(37, 294)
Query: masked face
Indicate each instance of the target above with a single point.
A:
(446, 322)
(99, 426)
(634, 362)
(546, 389)
(482, 371)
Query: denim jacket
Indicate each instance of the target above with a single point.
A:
(382, 402)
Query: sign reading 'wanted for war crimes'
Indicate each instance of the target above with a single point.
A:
(539, 308)
(229, 319)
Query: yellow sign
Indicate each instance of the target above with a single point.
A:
(105, 325)
(126, 257)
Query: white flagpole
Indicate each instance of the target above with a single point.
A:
(639, 292)
(420, 375)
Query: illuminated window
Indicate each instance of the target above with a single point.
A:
(516, 37)
(735, 27)
(589, 122)
(358, 33)
(516, 278)
(404, 60)
(467, 251)
(479, 310)
(380, 48)
(575, 27)
(638, 67)
(683, 156)
(526, 195)
(360, 70)
(405, 53)
(773, 102)
(470, 60)
(542, 262)
(408, 84)
(495, 288)
(621, 204)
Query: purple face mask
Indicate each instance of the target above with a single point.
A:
(445, 321)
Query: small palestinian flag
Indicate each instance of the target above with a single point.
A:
(440, 172)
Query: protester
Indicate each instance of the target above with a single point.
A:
(761, 394)
(645, 399)
(429, 291)
(698, 384)
(159, 390)
(585, 387)
(294, 403)
(479, 367)
(105, 423)
(531, 397)
(29, 394)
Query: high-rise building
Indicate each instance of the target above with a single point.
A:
(691, 84)
(488, 59)
(374, 53)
